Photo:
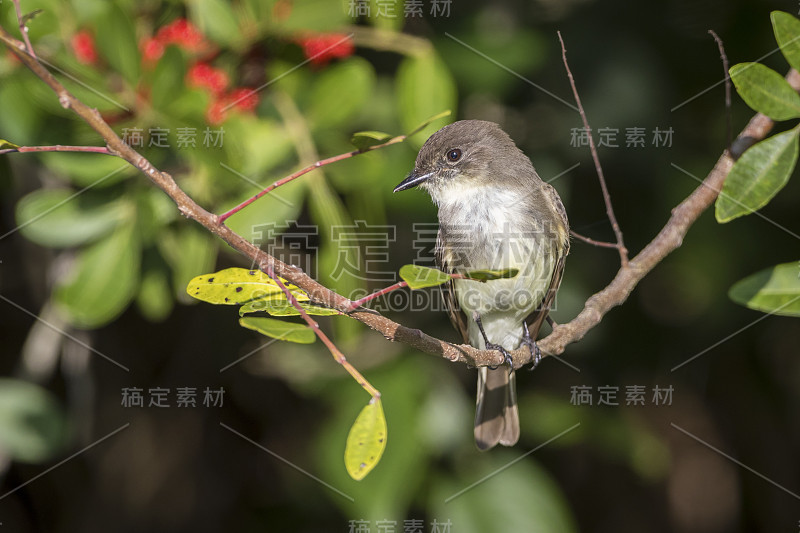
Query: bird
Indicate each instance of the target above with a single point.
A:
(495, 213)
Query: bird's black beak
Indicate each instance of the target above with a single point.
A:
(413, 179)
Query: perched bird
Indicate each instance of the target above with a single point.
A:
(495, 213)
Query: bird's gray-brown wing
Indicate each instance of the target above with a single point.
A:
(537, 317)
(457, 316)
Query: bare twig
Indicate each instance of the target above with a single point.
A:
(623, 252)
(668, 239)
(380, 292)
(306, 170)
(314, 325)
(593, 242)
(58, 148)
(23, 28)
(724, 57)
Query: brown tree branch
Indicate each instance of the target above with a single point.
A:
(668, 239)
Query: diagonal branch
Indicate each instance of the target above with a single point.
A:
(668, 239)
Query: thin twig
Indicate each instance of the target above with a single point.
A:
(58, 148)
(593, 242)
(314, 325)
(306, 170)
(23, 29)
(724, 57)
(623, 252)
(380, 292)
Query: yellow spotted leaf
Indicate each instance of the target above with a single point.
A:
(236, 286)
(366, 441)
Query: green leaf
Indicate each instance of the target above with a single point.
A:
(488, 275)
(366, 139)
(189, 251)
(6, 145)
(366, 441)
(315, 16)
(116, 41)
(27, 17)
(340, 91)
(766, 91)
(235, 286)
(155, 297)
(757, 176)
(88, 170)
(215, 19)
(103, 281)
(60, 219)
(283, 307)
(773, 290)
(427, 121)
(279, 329)
(32, 425)
(168, 79)
(272, 211)
(787, 34)
(424, 87)
(419, 277)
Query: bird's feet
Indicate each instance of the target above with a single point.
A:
(507, 360)
(536, 354)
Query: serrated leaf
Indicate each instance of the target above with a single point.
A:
(787, 34)
(772, 290)
(282, 307)
(104, 279)
(489, 275)
(427, 121)
(236, 286)
(419, 277)
(279, 329)
(60, 219)
(766, 91)
(366, 441)
(757, 176)
(6, 145)
(366, 139)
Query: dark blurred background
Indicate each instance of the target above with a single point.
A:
(94, 304)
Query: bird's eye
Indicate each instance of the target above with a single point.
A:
(454, 154)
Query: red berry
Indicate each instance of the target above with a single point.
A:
(217, 111)
(182, 33)
(83, 47)
(243, 98)
(152, 50)
(323, 47)
(205, 76)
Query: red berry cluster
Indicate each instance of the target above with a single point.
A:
(201, 74)
(321, 48)
(82, 44)
(180, 33)
(216, 82)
